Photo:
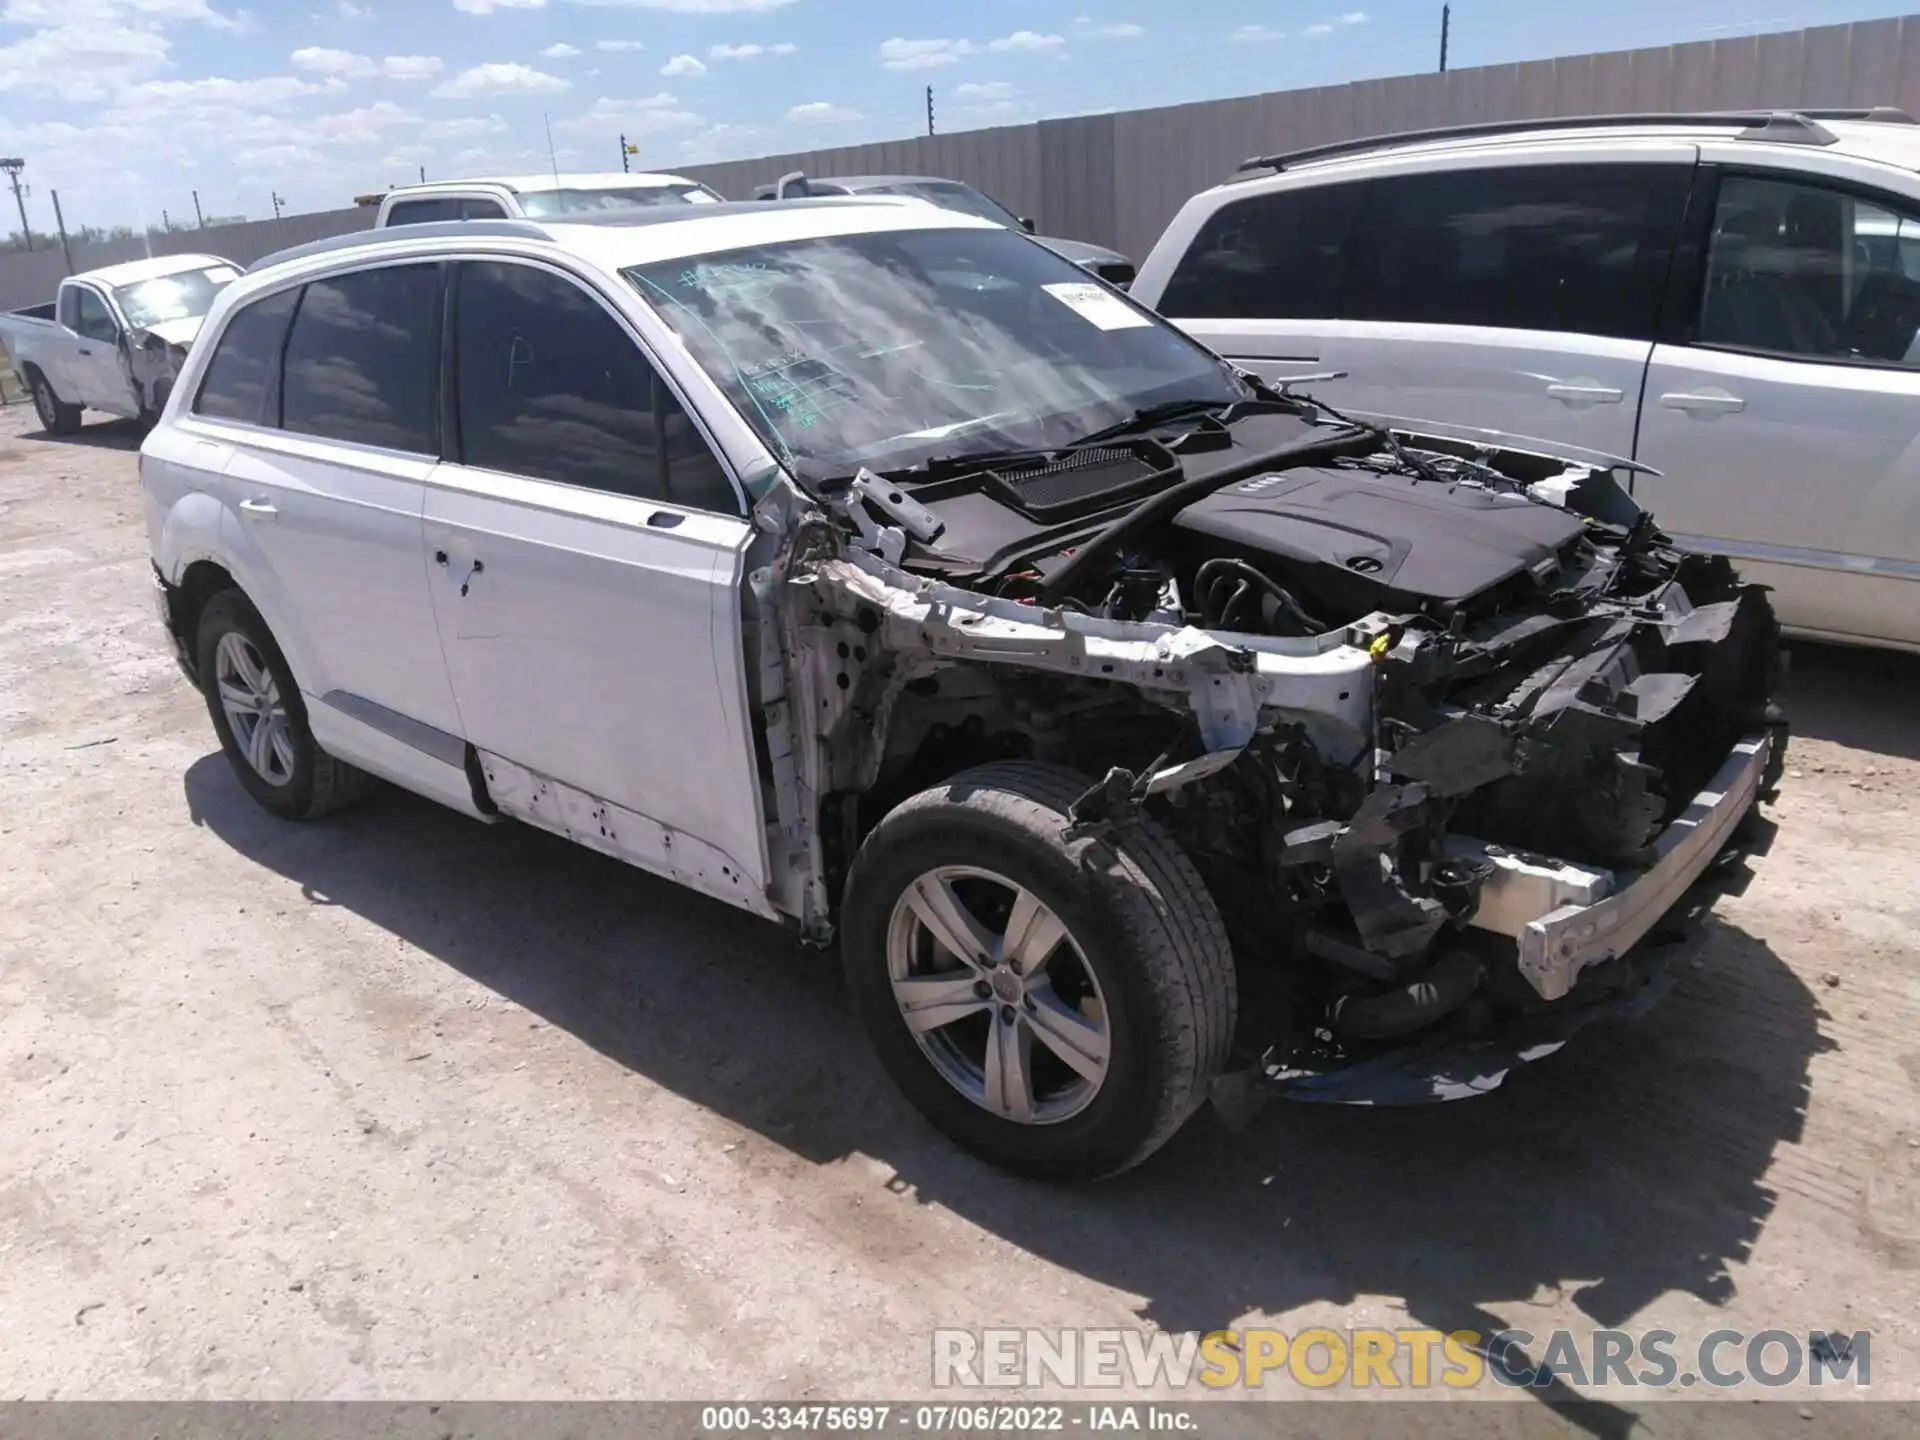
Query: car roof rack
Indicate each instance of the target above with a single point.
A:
(386, 234)
(1793, 127)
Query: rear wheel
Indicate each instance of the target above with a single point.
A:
(1055, 1005)
(261, 719)
(56, 416)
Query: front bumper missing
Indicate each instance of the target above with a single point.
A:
(1662, 902)
(1585, 929)
(167, 602)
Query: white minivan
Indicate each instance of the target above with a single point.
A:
(1731, 300)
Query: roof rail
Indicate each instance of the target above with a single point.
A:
(1796, 127)
(450, 229)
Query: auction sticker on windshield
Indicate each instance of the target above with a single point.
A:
(1097, 305)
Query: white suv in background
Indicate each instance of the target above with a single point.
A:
(545, 196)
(1731, 300)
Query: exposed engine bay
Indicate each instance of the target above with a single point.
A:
(1446, 728)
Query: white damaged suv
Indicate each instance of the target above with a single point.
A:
(1139, 732)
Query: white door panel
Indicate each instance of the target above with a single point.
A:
(338, 532)
(1567, 389)
(594, 642)
(1807, 473)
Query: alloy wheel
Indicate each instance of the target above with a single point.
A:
(256, 713)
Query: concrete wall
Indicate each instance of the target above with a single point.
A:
(1117, 179)
(29, 279)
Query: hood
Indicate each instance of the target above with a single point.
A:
(1081, 253)
(177, 332)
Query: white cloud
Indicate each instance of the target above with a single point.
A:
(1088, 28)
(462, 127)
(345, 65)
(1257, 34)
(689, 7)
(1318, 30)
(1028, 40)
(1327, 27)
(108, 12)
(81, 62)
(347, 10)
(749, 52)
(645, 115)
(898, 54)
(614, 45)
(1353, 17)
(501, 79)
(987, 90)
(683, 65)
(487, 7)
(821, 112)
(560, 50)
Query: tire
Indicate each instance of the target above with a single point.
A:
(56, 416)
(305, 781)
(1143, 950)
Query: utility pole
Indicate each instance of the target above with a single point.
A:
(1446, 18)
(423, 174)
(196, 211)
(166, 221)
(12, 168)
(277, 203)
(625, 150)
(60, 223)
(929, 109)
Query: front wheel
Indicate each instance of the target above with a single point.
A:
(1056, 1005)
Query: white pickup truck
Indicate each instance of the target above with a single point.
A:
(113, 339)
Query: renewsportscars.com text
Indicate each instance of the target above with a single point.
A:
(1404, 1359)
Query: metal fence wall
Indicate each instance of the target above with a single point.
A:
(29, 279)
(1117, 179)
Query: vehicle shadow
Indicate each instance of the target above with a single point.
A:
(1863, 699)
(1630, 1165)
(104, 435)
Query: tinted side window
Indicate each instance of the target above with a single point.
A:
(551, 385)
(1802, 270)
(96, 321)
(362, 361)
(239, 379)
(1579, 248)
(422, 212)
(1269, 257)
(482, 210)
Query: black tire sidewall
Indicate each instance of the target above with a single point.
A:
(46, 405)
(1082, 885)
(231, 610)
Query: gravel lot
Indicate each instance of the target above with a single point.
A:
(400, 1105)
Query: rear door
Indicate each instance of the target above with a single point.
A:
(1514, 296)
(587, 549)
(1785, 412)
(326, 486)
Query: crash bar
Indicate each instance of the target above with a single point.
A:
(1794, 127)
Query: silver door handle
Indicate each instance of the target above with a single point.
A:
(258, 509)
(1705, 403)
(1596, 394)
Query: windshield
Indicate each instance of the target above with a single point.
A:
(615, 197)
(886, 350)
(186, 296)
(952, 195)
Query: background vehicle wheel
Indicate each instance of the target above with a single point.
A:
(1056, 1006)
(261, 719)
(56, 416)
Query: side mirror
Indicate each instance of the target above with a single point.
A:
(1026, 224)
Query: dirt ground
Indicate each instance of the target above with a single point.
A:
(403, 1106)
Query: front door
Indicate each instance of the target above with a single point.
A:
(99, 375)
(587, 562)
(1787, 428)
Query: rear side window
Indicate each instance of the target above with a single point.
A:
(1576, 248)
(1269, 257)
(362, 361)
(239, 378)
(552, 386)
(477, 209)
(422, 212)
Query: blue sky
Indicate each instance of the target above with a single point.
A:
(126, 106)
